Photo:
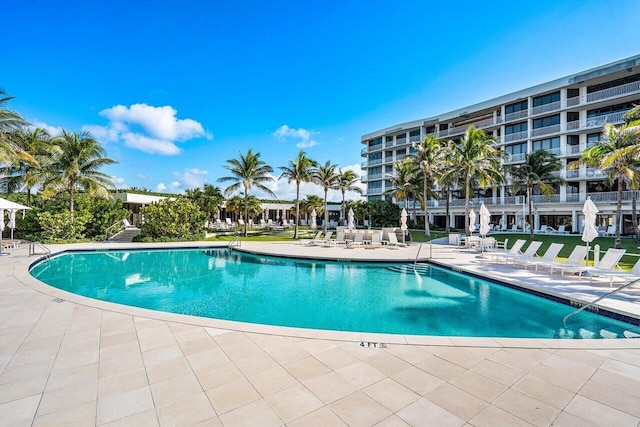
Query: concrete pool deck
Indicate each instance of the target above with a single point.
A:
(66, 359)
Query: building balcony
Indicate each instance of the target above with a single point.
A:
(605, 94)
(374, 191)
(415, 138)
(401, 141)
(546, 108)
(547, 130)
(371, 177)
(373, 162)
(516, 115)
(515, 158)
(516, 136)
(596, 122)
(388, 144)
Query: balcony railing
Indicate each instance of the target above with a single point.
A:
(400, 141)
(374, 191)
(611, 196)
(540, 109)
(388, 144)
(542, 199)
(572, 102)
(516, 136)
(415, 138)
(572, 149)
(373, 162)
(371, 177)
(597, 122)
(513, 158)
(516, 115)
(374, 147)
(614, 92)
(547, 130)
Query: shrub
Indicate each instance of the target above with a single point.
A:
(172, 218)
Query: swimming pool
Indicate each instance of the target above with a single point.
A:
(363, 297)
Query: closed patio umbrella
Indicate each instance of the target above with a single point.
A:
(472, 221)
(590, 232)
(313, 219)
(350, 223)
(485, 218)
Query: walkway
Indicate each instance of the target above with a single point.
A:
(68, 359)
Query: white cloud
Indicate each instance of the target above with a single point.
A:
(303, 136)
(51, 130)
(191, 178)
(119, 181)
(143, 127)
(161, 187)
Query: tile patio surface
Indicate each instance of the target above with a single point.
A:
(66, 359)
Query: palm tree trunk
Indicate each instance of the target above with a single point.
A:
(618, 243)
(634, 213)
(246, 211)
(530, 204)
(295, 229)
(29, 196)
(447, 220)
(342, 209)
(427, 231)
(467, 189)
(326, 211)
(71, 202)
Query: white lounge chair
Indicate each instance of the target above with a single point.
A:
(376, 241)
(515, 249)
(561, 230)
(393, 241)
(578, 254)
(627, 275)
(339, 240)
(529, 253)
(549, 256)
(126, 224)
(358, 241)
(317, 238)
(606, 267)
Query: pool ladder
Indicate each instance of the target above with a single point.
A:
(594, 302)
(37, 245)
(235, 241)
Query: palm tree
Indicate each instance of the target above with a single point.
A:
(539, 170)
(616, 154)
(448, 176)
(209, 199)
(310, 203)
(247, 171)
(428, 155)
(10, 121)
(478, 162)
(26, 174)
(347, 182)
(299, 170)
(76, 167)
(327, 177)
(403, 181)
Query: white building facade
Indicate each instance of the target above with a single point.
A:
(564, 116)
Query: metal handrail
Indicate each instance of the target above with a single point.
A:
(415, 261)
(592, 303)
(32, 249)
(236, 240)
(117, 227)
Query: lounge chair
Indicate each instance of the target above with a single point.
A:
(549, 256)
(376, 241)
(393, 241)
(515, 249)
(126, 224)
(358, 241)
(606, 267)
(561, 230)
(316, 239)
(544, 229)
(339, 240)
(578, 254)
(530, 253)
(628, 275)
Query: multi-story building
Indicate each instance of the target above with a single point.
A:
(564, 116)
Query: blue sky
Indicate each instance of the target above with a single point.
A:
(173, 89)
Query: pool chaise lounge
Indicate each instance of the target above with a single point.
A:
(515, 249)
(529, 253)
(549, 256)
(607, 265)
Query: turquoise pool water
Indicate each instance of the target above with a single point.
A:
(320, 295)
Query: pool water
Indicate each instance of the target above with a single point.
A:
(385, 298)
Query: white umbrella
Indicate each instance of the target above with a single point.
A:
(350, 223)
(6, 204)
(313, 219)
(485, 218)
(403, 220)
(590, 231)
(472, 221)
(12, 221)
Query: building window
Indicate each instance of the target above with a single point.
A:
(516, 148)
(375, 156)
(573, 116)
(415, 132)
(376, 141)
(431, 129)
(548, 144)
(573, 140)
(388, 169)
(401, 136)
(572, 93)
(518, 127)
(517, 106)
(388, 139)
(400, 153)
(546, 121)
(546, 99)
(388, 154)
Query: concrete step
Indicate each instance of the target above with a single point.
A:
(125, 236)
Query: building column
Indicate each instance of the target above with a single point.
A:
(574, 221)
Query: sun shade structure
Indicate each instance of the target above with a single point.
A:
(472, 221)
(485, 218)
(12, 207)
(590, 232)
